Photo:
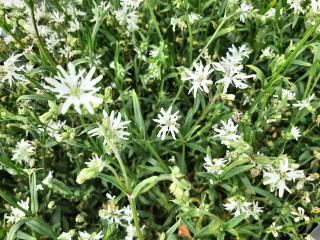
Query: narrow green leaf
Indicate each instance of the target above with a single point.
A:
(11, 201)
(60, 187)
(260, 75)
(33, 193)
(7, 163)
(171, 230)
(213, 228)
(13, 230)
(25, 236)
(39, 98)
(235, 171)
(41, 227)
(234, 221)
(113, 181)
(145, 185)
(137, 113)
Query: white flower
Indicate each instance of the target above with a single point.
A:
(306, 103)
(177, 22)
(277, 178)
(53, 129)
(127, 15)
(274, 229)
(131, 232)
(295, 133)
(13, 3)
(48, 178)
(231, 68)
(271, 13)
(87, 236)
(67, 235)
(215, 166)
(228, 132)
(76, 88)
(110, 197)
(111, 214)
(193, 17)
(287, 94)
(167, 123)
(237, 205)
(309, 237)
(99, 10)
(96, 162)
(296, 6)
(11, 72)
(315, 6)
(56, 17)
(267, 53)
(126, 215)
(256, 210)
(244, 9)
(16, 213)
(199, 78)
(112, 128)
(23, 152)
(299, 215)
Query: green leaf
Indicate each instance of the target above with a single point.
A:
(234, 221)
(41, 227)
(224, 31)
(7, 163)
(171, 230)
(33, 193)
(25, 236)
(235, 171)
(213, 228)
(11, 201)
(137, 113)
(260, 75)
(113, 181)
(13, 230)
(60, 187)
(145, 185)
(37, 98)
(268, 195)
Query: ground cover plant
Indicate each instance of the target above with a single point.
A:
(154, 119)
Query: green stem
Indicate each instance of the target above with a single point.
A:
(190, 49)
(135, 218)
(155, 22)
(40, 42)
(127, 183)
(212, 37)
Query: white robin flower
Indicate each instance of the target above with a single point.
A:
(112, 128)
(277, 178)
(245, 9)
(16, 213)
(76, 88)
(87, 236)
(23, 152)
(231, 67)
(199, 79)
(215, 166)
(9, 72)
(167, 123)
(274, 229)
(306, 103)
(299, 215)
(228, 132)
(237, 205)
(295, 133)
